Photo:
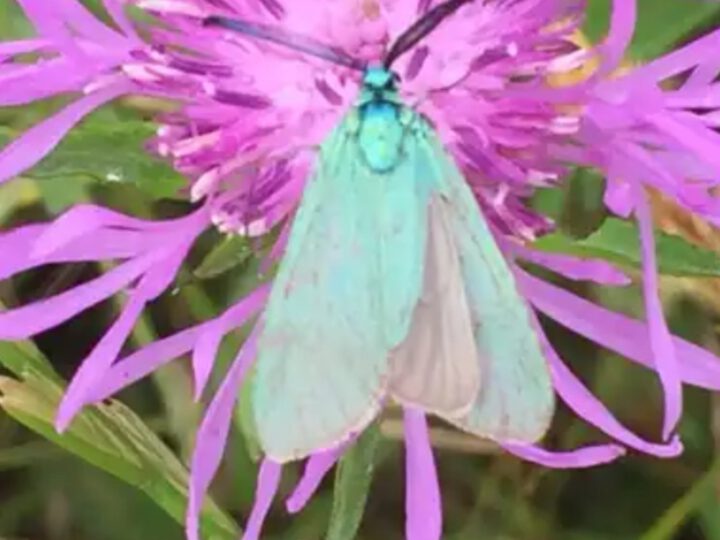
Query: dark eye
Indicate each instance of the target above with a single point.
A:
(392, 83)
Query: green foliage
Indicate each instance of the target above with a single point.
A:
(106, 148)
(490, 496)
(228, 254)
(618, 241)
(109, 436)
(352, 484)
(660, 24)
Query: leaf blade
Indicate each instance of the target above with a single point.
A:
(352, 485)
(617, 241)
(111, 437)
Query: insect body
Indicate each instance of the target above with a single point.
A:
(381, 120)
(392, 287)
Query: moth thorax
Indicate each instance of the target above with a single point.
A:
(380, 135)
(379, 79)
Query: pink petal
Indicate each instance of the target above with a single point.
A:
(572, 267)
(106, 351)
(51, 26)
(212, 435)
(208, 343)
(76, 15)
(11, 48)
(690, 132)
(21, 84)
(38, 141)
(622, 28)
(423, 506)
(704, 74)
(29, 320)
(116, 9)
(618, 197)
(660, 338)
(144, 361)
(267, 485)
(316, 468)
(589, 408)
(588, 456)
(100, 359)
(102, 245)
(672, 63)
(617, 332)
(84, 220)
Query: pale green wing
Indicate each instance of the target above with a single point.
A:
(515, 401)
(343, 293)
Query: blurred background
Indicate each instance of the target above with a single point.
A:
(118, 475)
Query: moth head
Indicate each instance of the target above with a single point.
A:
(380, 79)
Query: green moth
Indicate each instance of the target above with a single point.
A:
(391, 286)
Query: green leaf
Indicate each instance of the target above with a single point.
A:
(22, 357)
(583, 209)
(245, 419)
(109, 436)
(110, 148)
(618, 241)
(352, 483)
(660, 25)
(668, 525)
(15, 195)
(230, 253)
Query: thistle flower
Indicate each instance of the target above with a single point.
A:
(251, 116)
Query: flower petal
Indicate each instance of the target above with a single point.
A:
(587, 456)
(208, 343)
(589, 408)
(316, 467)
(11, 48)
(84, 220)
(106, 351)
(100, 359)
(660, 339)
(74, 14)
(21, 84)
(116, 9)
(622, 28)
(423, 506)
(673, 63)
(144, 361)
(267, 485)
(698, 367)
(571, 267)
(29, 320)
(212, 435)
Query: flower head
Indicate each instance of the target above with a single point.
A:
(251, 115)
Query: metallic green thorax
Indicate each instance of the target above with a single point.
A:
(380, 120)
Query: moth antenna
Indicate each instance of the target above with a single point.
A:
(290, 40)
(421, 28)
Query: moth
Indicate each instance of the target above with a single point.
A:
(392, 285)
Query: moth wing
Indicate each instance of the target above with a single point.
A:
(332, 316)
(516, 400)
(436, 367)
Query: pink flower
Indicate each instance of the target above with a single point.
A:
(252, 114)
